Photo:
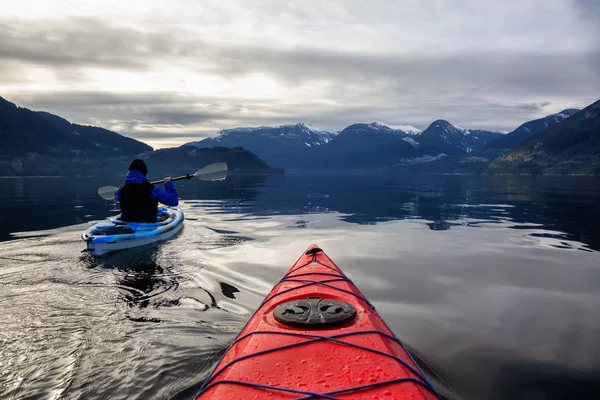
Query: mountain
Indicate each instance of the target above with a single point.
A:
(371, 146)
(40, 143)
(443, 137)
(388, 155)
(408, 129)
(571, 146)
(357, 146)
(442, 147)
(27, 133)
(278, 145)
(182, 160)
(364, 137)
(529, 129)
(483, 138)
(301, 146)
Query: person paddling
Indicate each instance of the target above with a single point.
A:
(139, 198)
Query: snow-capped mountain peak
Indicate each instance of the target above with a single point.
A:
(310, 128)
(442, 124)
(443, 134)
(291, 137)
(443, 129)
(287, 130)
(463, 130)
(408, 129)
(564, 114)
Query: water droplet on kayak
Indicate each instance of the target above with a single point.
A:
(387, 393)
(360, 380)
(302, 361)
(378, 369)
(329, 374)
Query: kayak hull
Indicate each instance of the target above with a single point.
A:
(113, 234)
(316, 336)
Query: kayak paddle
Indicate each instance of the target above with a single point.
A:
(212, 172)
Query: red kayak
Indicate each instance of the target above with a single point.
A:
(316, 336)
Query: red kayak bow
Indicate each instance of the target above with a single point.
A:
(316, 336)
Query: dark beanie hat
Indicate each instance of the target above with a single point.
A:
(139, 165)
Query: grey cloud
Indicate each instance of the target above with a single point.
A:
(508, 72)
(129, 111)
(77, 42)
(180, 117)
(184, 137)
(9, 75)
(95, 99)
(589, 13)
(82, 42)
(488, 90)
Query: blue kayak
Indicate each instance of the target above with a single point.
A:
(114, 234)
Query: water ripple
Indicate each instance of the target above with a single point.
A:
(484, 288)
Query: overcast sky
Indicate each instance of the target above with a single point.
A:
(169, 72)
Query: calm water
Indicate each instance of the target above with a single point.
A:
(493, 283)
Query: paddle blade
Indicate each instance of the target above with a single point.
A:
(212, 172)
(107, 192)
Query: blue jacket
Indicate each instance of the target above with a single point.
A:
(168, 196)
